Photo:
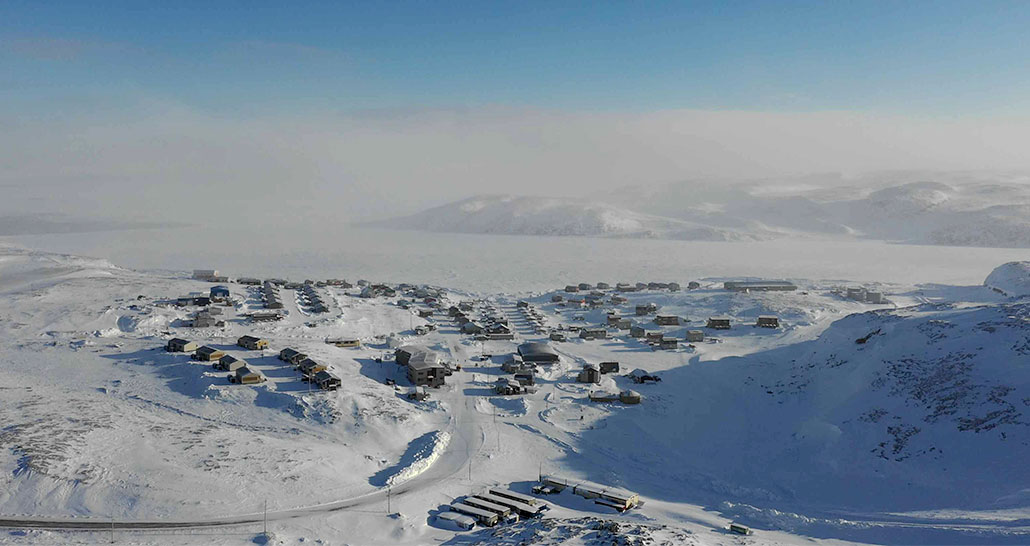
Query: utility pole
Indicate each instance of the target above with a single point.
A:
(112, 528)
(264, 529)
(389, 491)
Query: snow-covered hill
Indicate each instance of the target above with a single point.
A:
(919, 208)
(922, 208)
(522, 215)
(1011, 279)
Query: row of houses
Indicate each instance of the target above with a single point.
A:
(491, 507)
(622, 286)
(270, 295)
(614, 497)
(311, 299)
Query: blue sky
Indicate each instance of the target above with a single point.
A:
(912, 58)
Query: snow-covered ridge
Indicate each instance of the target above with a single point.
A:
(938, 210)
(527, 215)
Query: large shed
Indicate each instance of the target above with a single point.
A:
(537, 352)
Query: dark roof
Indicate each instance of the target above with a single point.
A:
(537, 351)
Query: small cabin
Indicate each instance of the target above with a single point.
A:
(668, 343)
(326, 381)
(719, 323)
(629, 397)
(768, 321)
(609, 367)
(308, 368)
(219, 293)
(667, 320)
(179, 345)
(571, 288)
(247, 376)
(252, 343)
(292, 356)
(590, 374)
(558, 336)
(695, 336)
(229, 363)
(208, 354)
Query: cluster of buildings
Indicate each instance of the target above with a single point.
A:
(270, 295)
(866, 296)
(489, 324)
(241, 372)
(623, 286)
(310, 370)
(613, 497)
(311, 299)
(490, 507)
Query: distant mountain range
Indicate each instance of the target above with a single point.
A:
(945, 209)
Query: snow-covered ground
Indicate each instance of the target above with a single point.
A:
(904, 422)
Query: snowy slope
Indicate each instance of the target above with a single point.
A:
(1011, 279)
(917, 435)
(520, 215)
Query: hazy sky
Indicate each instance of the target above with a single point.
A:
(107, 108)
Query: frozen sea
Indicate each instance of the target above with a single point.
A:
(508, 263)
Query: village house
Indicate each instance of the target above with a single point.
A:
(653, 337)
(327, 381)
(589, 374)
(426, 369)
(646, 309)
(292, 356)
(229, 363)
(609, 367)
(252, 343)
(768, 321)
(571, 288)
(637, 331)
(667, 320)
(245, 376)
(603, 286)
(586, 286)
(693, 285)
(208, 354)
(695, 336)
(558, 336)
(674, 286)
(719, 323)
(669, 343)
(179, 345)
(220, 293)
(308, 368)
(525, 378)
(593, 333)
